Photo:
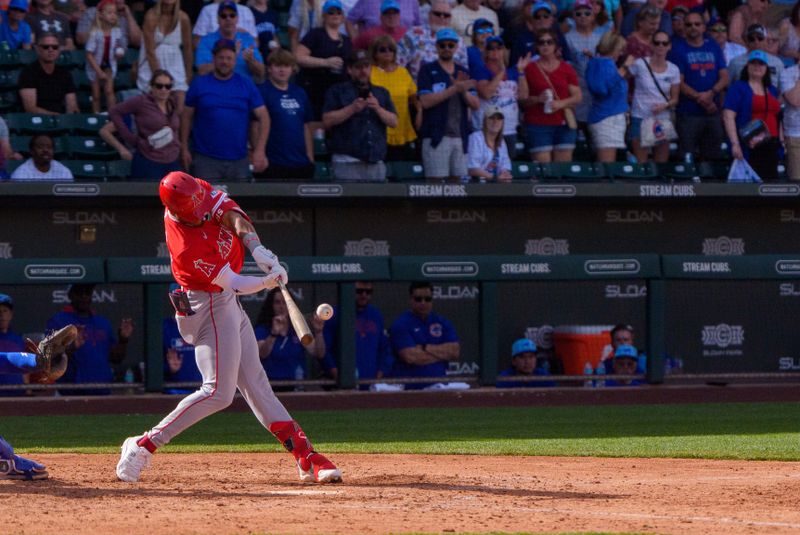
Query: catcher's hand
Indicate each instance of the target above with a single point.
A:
(50, 354)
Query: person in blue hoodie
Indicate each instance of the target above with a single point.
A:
(609, 90)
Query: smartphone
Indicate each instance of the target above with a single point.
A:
(363, 92)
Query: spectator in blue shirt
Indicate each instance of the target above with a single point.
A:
(217, 113)
(10, 342)
(424, 343)
(14, 31)
(282, 354)
(97, 345)
(249, 61)
(704, 76)
(266, 25)
(373, 352)
(179, 362)
(606, 83)
(290, 146)
(524, 361)
(626, 359)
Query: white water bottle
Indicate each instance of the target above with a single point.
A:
(548, 104)
(588, 370)
(600, 372)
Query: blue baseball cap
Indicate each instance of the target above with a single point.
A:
(446, 34)
(757, 55)
(22, 5)
(495, 39)
(523, 345)
(386, 5)
(6, 300)
(227, 4)
(537, 6)
(626, 351)
(332, 3)
(482, 23)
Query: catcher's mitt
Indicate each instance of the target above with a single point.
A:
(50, 358)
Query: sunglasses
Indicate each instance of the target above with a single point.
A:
(482, 31)
(420, 299)
(365, 291)
(661, 43)
(49, 47)
(448, 45)
(229, 16)
(693, 24)
(495, 47)
(385, 49)
(162, 86)
(754, 38)
(542, 17)
(334, 11)
(391, 12)
(546, 42)
(583, 13)
(441, 14)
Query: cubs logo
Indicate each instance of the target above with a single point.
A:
(205, 267)
(435, 330)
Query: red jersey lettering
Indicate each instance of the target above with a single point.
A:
(198, 254)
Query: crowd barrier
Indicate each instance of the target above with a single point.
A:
(487, 272)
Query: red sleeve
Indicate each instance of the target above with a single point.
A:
(219, 202)
(571, 75)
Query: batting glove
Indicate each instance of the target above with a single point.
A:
(280, 272)
(266, 259)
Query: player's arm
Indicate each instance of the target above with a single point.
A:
(244, 229)
(417, 355)
(447, 351)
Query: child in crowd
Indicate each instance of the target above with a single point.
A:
(105, 45)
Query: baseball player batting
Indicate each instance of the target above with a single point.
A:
(207, 233)
(46, 362)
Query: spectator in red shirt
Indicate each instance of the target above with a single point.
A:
(553, 87)
(390, 25)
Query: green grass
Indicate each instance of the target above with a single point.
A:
(764, 431)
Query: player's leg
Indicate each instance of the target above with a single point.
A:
(214, 330)
(254, 386)
(15, 467)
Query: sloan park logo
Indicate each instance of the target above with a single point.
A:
(456, 216)
(723, 246)
(725, 338)
(5, 250)
(634, 216)
(276, 217)
(547, 247)
(84, 218)
(541, 335)
(455, 292)
(366, 247)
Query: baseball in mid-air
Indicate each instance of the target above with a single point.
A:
(325, 311)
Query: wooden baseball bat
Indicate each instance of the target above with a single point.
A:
(298, 321)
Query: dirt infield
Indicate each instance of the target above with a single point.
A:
(247, 493)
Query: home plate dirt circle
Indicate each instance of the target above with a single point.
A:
(226, 493)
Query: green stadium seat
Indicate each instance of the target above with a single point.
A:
(524, 170)
(406, 171)
(322, 172)
(91, 169)
(33, 123)
(634, 171)
(83, 123)
(21, 144)
(91, 147)
(714, 171)
(123, 81)
(283, 20)
(9, 59)
(26, 57)
(572, 171)
(9, 79)
(320, 150)
(119, 168)
(583, 151)
(130, 58)
(80, 79)
(678, 171)
(8, 101)
(84, 100)
(71, 58)
(11, 165)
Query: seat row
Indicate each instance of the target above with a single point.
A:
(88, 169)
(13, 59)
(22, 123)
(75, 147)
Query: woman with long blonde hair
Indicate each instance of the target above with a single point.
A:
(167, 36)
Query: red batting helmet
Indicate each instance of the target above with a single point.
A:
(185, 197)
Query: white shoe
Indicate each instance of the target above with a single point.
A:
(133, 460)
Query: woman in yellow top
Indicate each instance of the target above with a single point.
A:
(397, 80)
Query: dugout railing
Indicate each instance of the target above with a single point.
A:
(486, 272)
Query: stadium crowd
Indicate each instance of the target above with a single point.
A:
(351, 88)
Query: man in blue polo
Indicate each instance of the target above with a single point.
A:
(524, 363)
(424, 343)
(217, 114)
(249, 61)
(446, 93)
